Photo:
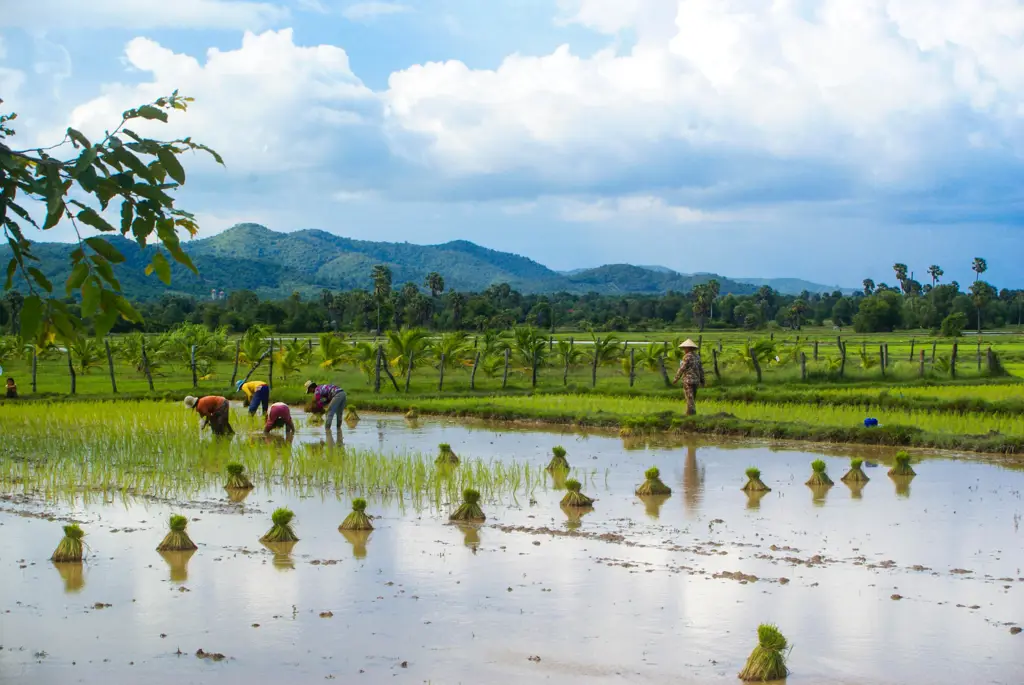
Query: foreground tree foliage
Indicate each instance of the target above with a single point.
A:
(125, 173)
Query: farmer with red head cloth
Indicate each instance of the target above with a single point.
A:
(280, 414)
(329, 398)
(692, 373)
(215, 412)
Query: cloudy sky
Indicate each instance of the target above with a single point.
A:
(822, 139)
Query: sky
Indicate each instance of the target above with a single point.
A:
(816, 139)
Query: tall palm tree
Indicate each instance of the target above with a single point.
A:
(936, 272)
(901, 272)
(869, 286)
(381, 276)
(434, 283)
(457, 302)
(979, 266)
(333, 351)
(531, 348)
(406, 345)
(714, 288)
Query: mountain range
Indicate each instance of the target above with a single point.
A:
(273, 264)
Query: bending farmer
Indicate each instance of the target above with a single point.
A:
(692, 373)
(215, 412)
(330, 396)
(279, 415)
(257, 394)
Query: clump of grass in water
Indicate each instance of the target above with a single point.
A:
(357, 520)
(653, 484)
(412, 414)
(819, 477)
(177, 540)
(768, 660)
(575, 498)
(70, 548)
(470, 509)
(446, 456)
(282, 530)
(754, 483)
(558, 462)
(314, 419)
(237, 480)
(902, 466)
(856, 473)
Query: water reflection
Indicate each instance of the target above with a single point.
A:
(653, 503)
(72, 575)
(574, 516)
(902, 484)
(282, 552)
(558, 478)
(754, 498)
(358, 538)
(693, 480)
(238, 495)
(856, 489)
(178, 563)
(818, 494)
(470, 535)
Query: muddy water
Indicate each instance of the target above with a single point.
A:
(631, 592)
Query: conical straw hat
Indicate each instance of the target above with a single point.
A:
(689, 343)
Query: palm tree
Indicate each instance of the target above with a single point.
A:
(453, 347)
(936, 272)
(702, 298)
(333, 352)
(434, 283)
(1019, 301)
(797, 311)
(381, 276)
(363, 356)
(86, 353)
(869, 286)
(406, 345)
(979, 266)
(531, 347)
(713, 289)
(901, 273)
(457, 303)
(981, 293)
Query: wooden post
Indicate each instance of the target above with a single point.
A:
(912, 341)
(803, 366)
(952, 361)
(593, 372)
(551, 344)
(772, 336)
(145, 365)
(839, 343)
(881, 358)
(376, 369)
(71, 370)
(255, 366)
(979, 354)
(238, 351)
(533, 375)
(387, 368)
(110, 365)
(632, 367)
(192, 363)
(408, 372)
(440, 378)
(310, 341)
(920, 368)
(565, 373)
(864, 347)
(472, 375)
(991, 361)
(934, 346)
(815, 350)
(664, 371)
(665, 347)
(714, 361)
(885, 352)
(476, 340)
(757, 364)
(700, 343)
(842, 359)
(719, 344)
(270, 366)
(504, 376)
(34, 365)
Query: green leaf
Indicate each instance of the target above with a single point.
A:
(91, 217)
(77, 137)
(31, 316)
(90, 296)
(64, 324)
(40, 278)
(127, 211)
(105, 271)
(127, 310)
(77, 277)
(171, 165)
(105, 249)
(105, 320)
(162, 268)
(151, 112)
(12, 267)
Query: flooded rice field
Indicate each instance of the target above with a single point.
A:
(917, 581)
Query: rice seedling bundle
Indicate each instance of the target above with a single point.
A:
(177, 540)
(314, 420)
(445, 456)
(351, 415)
(754, 483)
(281, 530)
(237, 480)
(902, 466)
(856, 473)
(573, 496)
(412, 414)
(357, 520)
(653, 485)
(818, 476)
(558, 461)
(470, 509)
(70, 547)
(768, 660)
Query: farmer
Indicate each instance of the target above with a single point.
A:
(330, 397)
(692, 373)
(215, 412)
(12, 389)
(279, 415)
(257, 394)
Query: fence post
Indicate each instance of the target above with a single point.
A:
(632, 366)
(440, 379)
(842, 359)
(979, 354)
(757, 364)
(238, 351)
(387, 368)
(885, 348)
(952, 361)
(408, 371)
(815, 350)
(310, 341)
(192, 363)
(664, 371)
(504, 376)
(71, 370)
(551, 344)
(881, 358)
(991, 361)
(533, 379)
(803, 366)
(565, 372)
(472, 375)
(376, 370)
(719, 345)
(34, 364)
(593, 373)
(270, 366)
(714, 361)
(912, 341)
(934, 346)
(110, 364)
(920, 368)
(145, 365)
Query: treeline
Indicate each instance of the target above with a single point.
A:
(942, 308)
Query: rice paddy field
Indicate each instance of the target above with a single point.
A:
(897, 580)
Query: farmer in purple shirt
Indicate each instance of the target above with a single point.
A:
(330, 397)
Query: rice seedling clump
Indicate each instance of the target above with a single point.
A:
(902, 466)
(446, 456)
(70, 548)
(754, 483)
(558, 461)
(357, 520)
(177, 540)
(819, 477)
(768, 660)
(856, 473)
(237, 480)
(282, 530)
(575, 498)
(351, 415)
(653, 485)
(470, 509)
(412, 414)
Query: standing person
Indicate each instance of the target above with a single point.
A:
(330, 397)
(257, 395)
(280, 414)
(692, 373)
(215, 411)
(12, 389)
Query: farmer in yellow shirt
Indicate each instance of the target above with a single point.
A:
(257, 394)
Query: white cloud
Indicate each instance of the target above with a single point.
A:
(643, 208)
(362, 11)
(141, 14)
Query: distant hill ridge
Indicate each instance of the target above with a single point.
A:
(251, 256)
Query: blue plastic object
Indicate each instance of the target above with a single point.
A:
(869, 423)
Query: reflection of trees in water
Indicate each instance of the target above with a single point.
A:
(178, 563)
(693, 479)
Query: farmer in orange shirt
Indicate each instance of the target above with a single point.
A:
(215, 412)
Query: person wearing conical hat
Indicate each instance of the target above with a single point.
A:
(215, 411)
(692, 374)
(257, 395)
(327, 398)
